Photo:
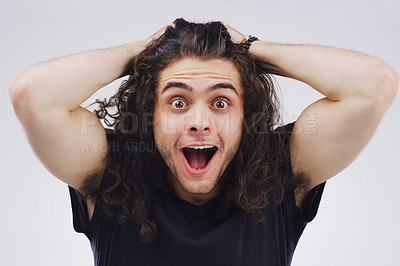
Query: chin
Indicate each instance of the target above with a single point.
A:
(204, 187)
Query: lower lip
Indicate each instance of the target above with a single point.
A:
(196, 172)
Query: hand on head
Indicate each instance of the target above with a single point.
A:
(236, 36)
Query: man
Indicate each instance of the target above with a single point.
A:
(195, 170)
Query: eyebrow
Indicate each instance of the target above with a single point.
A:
(190, 89)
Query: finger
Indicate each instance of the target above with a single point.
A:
(160, 32)
(236, 36)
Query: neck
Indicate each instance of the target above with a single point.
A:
(194, 198)
(198, 199)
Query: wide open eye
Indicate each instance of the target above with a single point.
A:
(179, 104)
(220, 103)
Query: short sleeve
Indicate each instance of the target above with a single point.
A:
(312, 199)
(309, 207)
(80, 216)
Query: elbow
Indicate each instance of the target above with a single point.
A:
(20, 92)
(390, 84)
(385, 87)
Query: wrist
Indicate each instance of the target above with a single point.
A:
(135, 48)
(248, 40)
(129, 52)
(267, 55)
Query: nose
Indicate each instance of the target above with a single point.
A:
(198, 121)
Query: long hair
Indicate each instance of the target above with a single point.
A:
(135, 169)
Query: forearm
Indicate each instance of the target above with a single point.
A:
(67, 82)
(336, 73)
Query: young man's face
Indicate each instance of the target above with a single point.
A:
(198, 124)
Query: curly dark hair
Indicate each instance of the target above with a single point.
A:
(257, 174)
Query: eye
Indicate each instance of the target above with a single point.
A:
(220, 103)
(179, 104)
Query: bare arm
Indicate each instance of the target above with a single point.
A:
(358, 90)
(67, 138)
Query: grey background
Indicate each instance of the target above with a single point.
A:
(359, 215)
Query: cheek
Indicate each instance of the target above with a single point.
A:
(161, 139)
(163, 124)
(165, 128)
(229, 125)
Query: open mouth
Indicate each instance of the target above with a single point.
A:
(198, 157)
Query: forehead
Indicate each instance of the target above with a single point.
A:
(200, 73)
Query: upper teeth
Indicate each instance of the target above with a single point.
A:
(200, 147)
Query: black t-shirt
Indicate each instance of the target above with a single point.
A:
(189, 235)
